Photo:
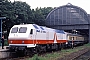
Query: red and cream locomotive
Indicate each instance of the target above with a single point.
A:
(35, 38)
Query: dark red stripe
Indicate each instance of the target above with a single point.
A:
(35, 41)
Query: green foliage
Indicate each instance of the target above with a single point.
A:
(59, 54)
(36, 57)
(40, 15)
(6, 42)
(18, 12)
(87, 45)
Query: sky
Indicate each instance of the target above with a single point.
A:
(84, 4)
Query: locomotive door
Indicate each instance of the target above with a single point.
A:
(47, 36)
(34, 36)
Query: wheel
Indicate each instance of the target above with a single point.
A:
(25, 52)
(35, 50)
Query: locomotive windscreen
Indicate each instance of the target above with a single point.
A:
(22, 29)
(14, 30)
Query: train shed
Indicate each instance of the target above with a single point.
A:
(70, 18)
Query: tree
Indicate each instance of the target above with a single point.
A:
(18, 12)
(15, 13)
(22, 11)
(39, 15)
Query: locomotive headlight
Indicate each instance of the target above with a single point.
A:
(10, 41)
(66, 42)
(22, 42)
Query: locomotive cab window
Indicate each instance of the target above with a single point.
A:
(22, 29)
(14, 30)
(42, 28)
(31, 32)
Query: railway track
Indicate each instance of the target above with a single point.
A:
(85, 56)
(77, 55)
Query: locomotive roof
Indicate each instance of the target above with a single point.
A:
(49, 29)
(70, 34)
(41, 28)
(59, 31)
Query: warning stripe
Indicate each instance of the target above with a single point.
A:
(55, 38)
(35, 41)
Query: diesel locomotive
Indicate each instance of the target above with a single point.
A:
(35, 38)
